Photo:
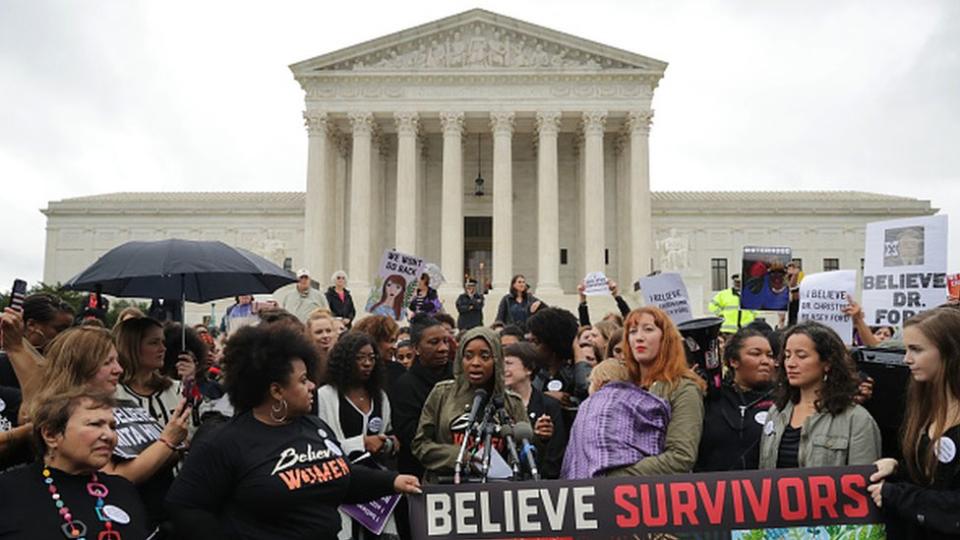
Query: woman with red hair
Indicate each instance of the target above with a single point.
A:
(655, 360)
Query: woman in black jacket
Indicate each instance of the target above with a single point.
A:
(517, 305)
(924, 500)
(736, 412)
(339, 299)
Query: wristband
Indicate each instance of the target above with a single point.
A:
(170, 445)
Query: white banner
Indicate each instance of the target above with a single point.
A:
(823, 297)
(669, 293)
(905, 270)
(595, 284)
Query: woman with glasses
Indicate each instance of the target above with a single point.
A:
(355, 406)
(339, 299)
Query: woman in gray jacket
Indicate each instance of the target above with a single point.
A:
(815, 421)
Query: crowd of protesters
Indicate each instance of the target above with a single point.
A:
(263, 426)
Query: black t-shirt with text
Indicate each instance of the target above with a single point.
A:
(269, 482)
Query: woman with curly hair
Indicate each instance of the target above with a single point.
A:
(815, 421)
(273, 470)
(655, 361)
(354, 405)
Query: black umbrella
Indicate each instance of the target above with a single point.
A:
(185, 269)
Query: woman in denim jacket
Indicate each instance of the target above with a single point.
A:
(815, 421)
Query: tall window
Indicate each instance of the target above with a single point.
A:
(718, 274)
(830, 265)
(563, 255)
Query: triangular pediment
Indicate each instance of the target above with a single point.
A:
(478, 40)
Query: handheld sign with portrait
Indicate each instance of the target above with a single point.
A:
(397, 279)
(823, 297)
(905, 269)
(765, 284)
(669, 293)
(595, 284)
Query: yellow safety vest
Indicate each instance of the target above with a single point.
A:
(726, 304)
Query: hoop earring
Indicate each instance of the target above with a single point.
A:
(276, 409)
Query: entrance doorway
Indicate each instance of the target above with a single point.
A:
(478, 250)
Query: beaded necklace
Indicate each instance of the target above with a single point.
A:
(74, 528)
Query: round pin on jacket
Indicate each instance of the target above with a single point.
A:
(761, 417)
(555, 385)
(115, 513)
(946, 450)
(3, 405)
(768, 427)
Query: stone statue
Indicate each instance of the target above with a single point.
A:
(674, 252)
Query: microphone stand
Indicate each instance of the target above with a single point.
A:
(507, 432)
(487, 449)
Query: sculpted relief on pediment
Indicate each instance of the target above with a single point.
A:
(478, 46)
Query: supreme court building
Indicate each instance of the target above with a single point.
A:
(492, 147)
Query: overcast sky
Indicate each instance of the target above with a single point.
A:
(99, 96)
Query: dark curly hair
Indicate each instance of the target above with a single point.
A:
(556, 328)
(171, 339)
(342, 364)
(841, 384)
(258, 356)
(732, 349)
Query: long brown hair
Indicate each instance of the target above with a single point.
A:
(927, 401)
(397, 306)
(129, 335)
(670, 365)
(72, 360)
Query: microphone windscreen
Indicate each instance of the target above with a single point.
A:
(498, 402)
(523, 430)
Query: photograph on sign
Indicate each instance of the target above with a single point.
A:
(765, 283)
(904, 269)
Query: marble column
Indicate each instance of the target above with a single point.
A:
(641, 223)
(548, 205)
(592, 202)
(360, 201)
(406, 219)
(502, 125)
(317, 235)
(451, 218)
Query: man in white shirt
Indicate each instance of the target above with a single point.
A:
(304, 299)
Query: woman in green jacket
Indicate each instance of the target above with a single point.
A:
(655, 360)
(479, 365)
(815, 421)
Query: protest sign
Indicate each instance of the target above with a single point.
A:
(595, 284)
(905, 268)
(393, 262)
(391, 292)
(744, 504)
(823, 297)
(136, 429)
(764, 276)
(667, 292)
(953, 287)
(373, 514)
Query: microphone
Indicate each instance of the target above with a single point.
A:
(487, 429)
(479, 398)
(524, 432)
(506, 430)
